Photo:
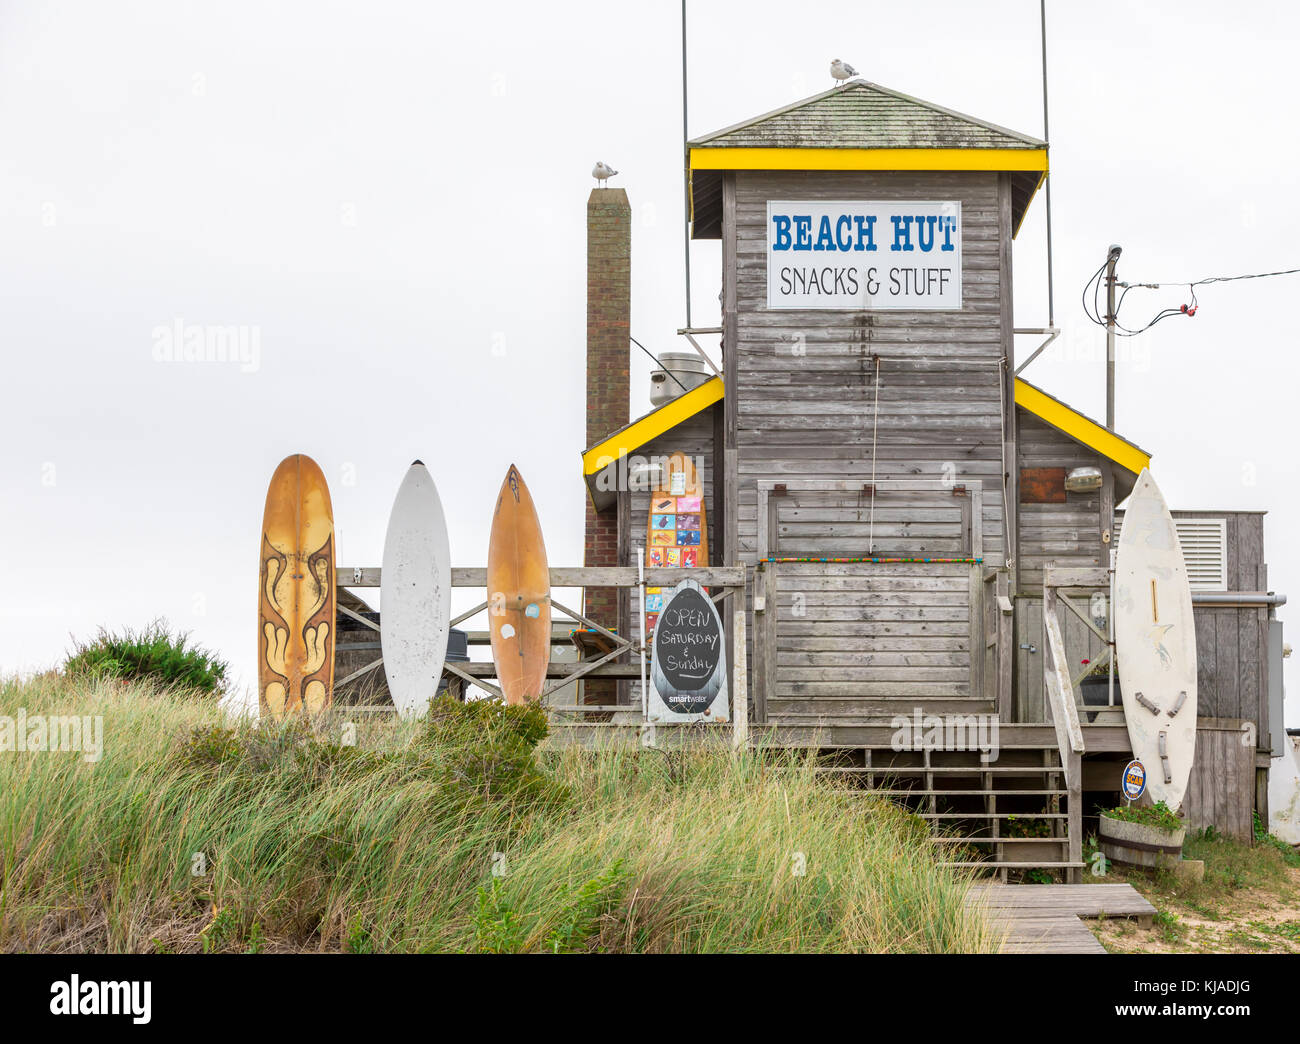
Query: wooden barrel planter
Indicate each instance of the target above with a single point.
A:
(1140, 844)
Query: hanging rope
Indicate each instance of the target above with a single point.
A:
(882, 561)
(875, 424)
(1006, 507)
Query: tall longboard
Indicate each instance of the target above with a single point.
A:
(296, 598)
(519, 593)
(677, 531)
(1155, 643)
(415, 593)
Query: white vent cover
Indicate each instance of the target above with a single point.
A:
(1205, 550)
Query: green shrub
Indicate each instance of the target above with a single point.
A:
(1290, 853)
(1158, 815)
(488, 750)
(150, 655)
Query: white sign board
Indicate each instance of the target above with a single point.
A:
(859, 255)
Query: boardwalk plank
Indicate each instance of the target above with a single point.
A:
(1046, 918)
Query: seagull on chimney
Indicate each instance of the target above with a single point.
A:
(841, 71)
(602, 172)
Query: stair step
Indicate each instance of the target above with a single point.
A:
(803, 747)
(993, 815)
(950, 770)
(995, 864)
(963, 793)
(1000, 840)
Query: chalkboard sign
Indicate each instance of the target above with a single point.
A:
(688, 660)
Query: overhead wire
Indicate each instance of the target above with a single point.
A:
(1094, 314)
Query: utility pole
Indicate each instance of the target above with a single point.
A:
(1111, 258)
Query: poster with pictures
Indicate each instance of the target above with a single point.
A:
(676, 531)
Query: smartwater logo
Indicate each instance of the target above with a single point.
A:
(75, 997)
(208, 343)
(45, 733)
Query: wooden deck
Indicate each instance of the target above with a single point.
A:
(1046, 918)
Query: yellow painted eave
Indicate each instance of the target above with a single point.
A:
(652, 425)
(1081, 428)
(705, 158)
(1029, 203)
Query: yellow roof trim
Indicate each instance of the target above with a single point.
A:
(706, 158)
(652, 425)
(1081, 428)
(1029, 203)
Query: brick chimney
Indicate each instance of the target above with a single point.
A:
(609, 311)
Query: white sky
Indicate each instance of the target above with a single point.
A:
(394, 196)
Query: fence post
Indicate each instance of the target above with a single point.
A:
(739, 686)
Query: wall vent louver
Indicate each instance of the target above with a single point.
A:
(1205, 550)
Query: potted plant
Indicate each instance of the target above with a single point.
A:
(1142, 835)
(1095, 688)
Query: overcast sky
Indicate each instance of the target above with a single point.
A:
(390, 197)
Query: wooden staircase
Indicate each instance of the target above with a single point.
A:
(1008, 814)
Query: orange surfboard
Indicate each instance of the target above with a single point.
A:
(519, 593)
(296, 592)
(677, 532)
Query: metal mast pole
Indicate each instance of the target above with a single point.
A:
(686, 176)
(1111, 260)
(1051, 308)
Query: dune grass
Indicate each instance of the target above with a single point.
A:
(455, 834)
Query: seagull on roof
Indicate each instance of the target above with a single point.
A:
(602, 172)
(841, 71)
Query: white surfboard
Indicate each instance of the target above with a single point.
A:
(1155, 643)
(415, 593)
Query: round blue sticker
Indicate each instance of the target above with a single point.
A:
(1134, 783)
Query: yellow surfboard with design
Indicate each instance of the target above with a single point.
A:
(296, 600)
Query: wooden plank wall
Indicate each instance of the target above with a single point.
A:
(805, 407)
(1080, 644)
(859, 642)
(1232, 643)
(806, 379)
(1221, 791)
(1069, 534)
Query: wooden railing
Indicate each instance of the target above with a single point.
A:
(1060, 694)
(723, 582)
(999, 640)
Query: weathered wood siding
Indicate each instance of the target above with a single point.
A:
(1231, 641)
(1080, 644)
(1221, 789)
(865, 642)
(806, 380)
(1069, 534)
(805, 407)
